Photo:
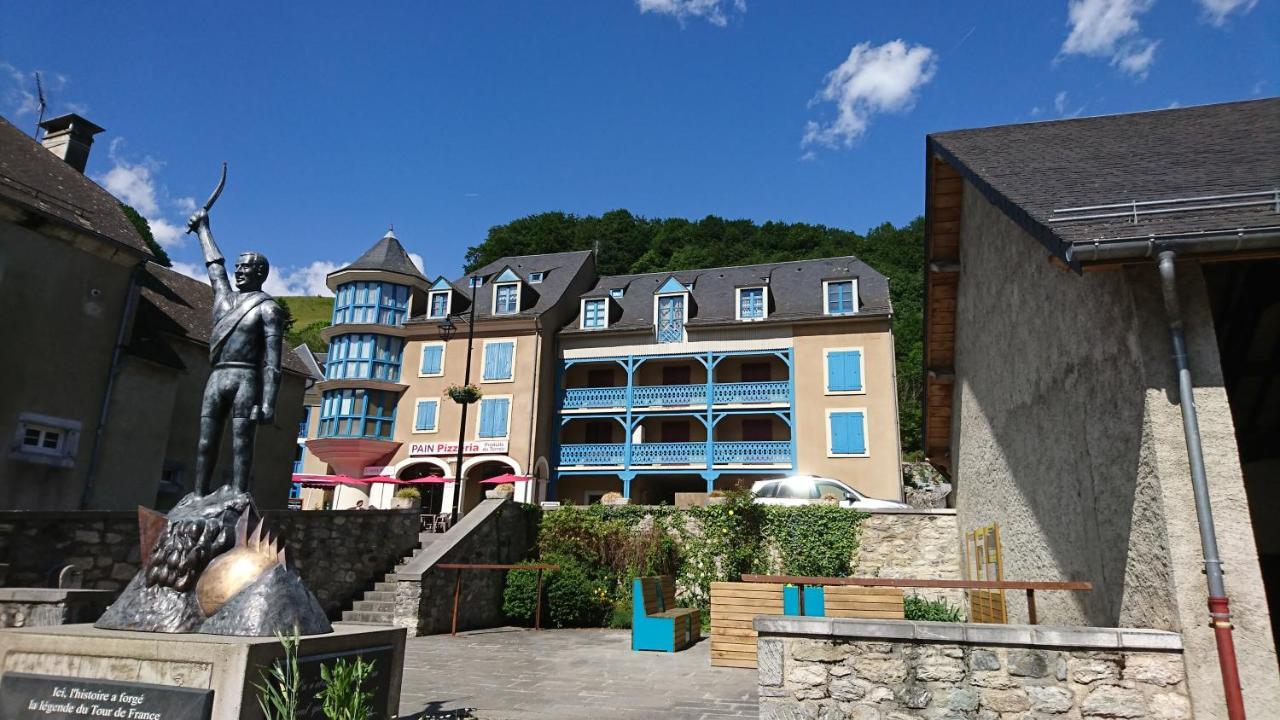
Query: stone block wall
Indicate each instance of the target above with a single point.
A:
(827, 669)
(337, 553)
(912, 544)
(495, 531)
(39, 607)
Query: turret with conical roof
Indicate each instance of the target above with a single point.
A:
(386, 256)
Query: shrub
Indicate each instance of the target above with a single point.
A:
(814, 539)
(571, 596)
(408, 493)
(621, 617)
(519, 595)
(915, 607)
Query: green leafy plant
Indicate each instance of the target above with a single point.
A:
(409, 493)
(519, 595)
(463, 394)
(278, 689)
(817, 539)
(344, 696)
(915, 607)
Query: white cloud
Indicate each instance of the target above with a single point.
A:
(1216, 11)
(136, 184)
(716, 12)
(1060, 101)
(303, 280)
(871, 80)
(18, 93)
(191, 270)
(418, 262)
(1110, 28)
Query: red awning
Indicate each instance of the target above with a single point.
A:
(344, 480)
(507, 478)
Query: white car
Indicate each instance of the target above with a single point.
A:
(805, 489)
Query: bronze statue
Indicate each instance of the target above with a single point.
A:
(244, 349)
(201, 570)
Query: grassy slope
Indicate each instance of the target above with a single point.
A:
(310, 315)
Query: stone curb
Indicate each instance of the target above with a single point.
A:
(1040, 636)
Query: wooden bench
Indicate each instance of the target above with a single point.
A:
(656, 622)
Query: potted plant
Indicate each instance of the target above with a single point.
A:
(505, 491)
(717, 497)
(463, 394)
(614, 498)
(406, 498)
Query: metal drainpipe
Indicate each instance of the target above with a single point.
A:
(531, 485)
(130, 303)
(1219, 606)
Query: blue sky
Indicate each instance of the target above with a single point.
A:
(338, 119)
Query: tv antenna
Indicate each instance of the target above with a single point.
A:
(40, 99)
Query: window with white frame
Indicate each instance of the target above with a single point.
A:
(594, 314)
(841, 297)
(46, 440)
(847, 433)
(438, 304)
(535, 278)
(424, 415)
(499, 361)
(752, 303)
(617, 293)
(506, 299)
(477, 282)
(843, 370)
(495, 414)
(432, 362)
(670, 317)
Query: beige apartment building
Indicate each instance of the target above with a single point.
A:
(711, 379)
(106, 352)
(399, 340)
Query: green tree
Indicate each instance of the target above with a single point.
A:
(629, 244)
(144, 229)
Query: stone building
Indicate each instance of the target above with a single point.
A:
(384, 411)
(106, 352)
(1051, 398)
(709, 379)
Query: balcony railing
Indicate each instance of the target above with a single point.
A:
(760, 452)
(592, 455)
(657, 396)
(679, 453)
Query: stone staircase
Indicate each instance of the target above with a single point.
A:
(376, 606)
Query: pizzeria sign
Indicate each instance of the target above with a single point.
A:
(472, 447)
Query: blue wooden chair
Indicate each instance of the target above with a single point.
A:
(656, 622)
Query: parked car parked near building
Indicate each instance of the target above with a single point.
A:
(805, 489)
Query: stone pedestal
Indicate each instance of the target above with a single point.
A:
(229, 666)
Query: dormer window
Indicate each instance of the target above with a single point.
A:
(841, 297)
(535, 278)
(595, 314)
(506, 299)
(671, 311)
(438, 304)
(752, 303)
(477, 282)
(617, 293)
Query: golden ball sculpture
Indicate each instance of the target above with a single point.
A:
(237, 568)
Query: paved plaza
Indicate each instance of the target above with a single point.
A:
(519, 674)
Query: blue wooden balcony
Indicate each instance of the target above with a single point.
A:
(593, 454)
(680, 453)
(760, 452)
(660, 396)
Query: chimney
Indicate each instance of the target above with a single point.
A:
(69, 137)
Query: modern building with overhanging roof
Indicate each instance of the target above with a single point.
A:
(385, 416)
(709, 379)
(1066, 261)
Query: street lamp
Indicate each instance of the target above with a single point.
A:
(447, 330)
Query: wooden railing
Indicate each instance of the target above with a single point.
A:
(1030, 586)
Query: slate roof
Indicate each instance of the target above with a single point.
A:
(35, 178)
(387, 255)
(173, 304)
(558, 271)
(1030, 170)
(795, 292)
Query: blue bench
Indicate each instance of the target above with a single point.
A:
(656, 622)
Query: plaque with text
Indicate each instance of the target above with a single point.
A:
(378, 682)
(51, 697)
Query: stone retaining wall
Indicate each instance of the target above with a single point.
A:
(923, 544)
(870, 669)
(337, 553)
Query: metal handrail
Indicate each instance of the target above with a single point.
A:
(1266, 197)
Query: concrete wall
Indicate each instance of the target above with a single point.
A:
(820, 668)
(337, 554)
(1067, 432)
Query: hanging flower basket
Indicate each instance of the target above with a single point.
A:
(463, 394)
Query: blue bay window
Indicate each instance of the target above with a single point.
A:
(751, 304)
(844, 371)
(377, 303)
(499, 361)
(358, 413)
(840, 300)
(847, 433)
(593, 314)
(494, 413)
(424, 415)
(363, 356)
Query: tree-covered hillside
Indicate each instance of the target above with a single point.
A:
(631, 244)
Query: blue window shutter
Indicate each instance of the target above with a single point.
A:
(840, 440)
(493, 417)
(431, 356)
(504, 361)
(844, 371)
(857, 425)
(854, 369)
(500, 408)
(491, 362)
(426, 416)
(486, 418)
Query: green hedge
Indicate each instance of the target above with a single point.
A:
(602, 547)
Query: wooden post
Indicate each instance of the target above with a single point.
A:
(457, 593)
(537, 604)
(800, 599)
(1031, 605)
